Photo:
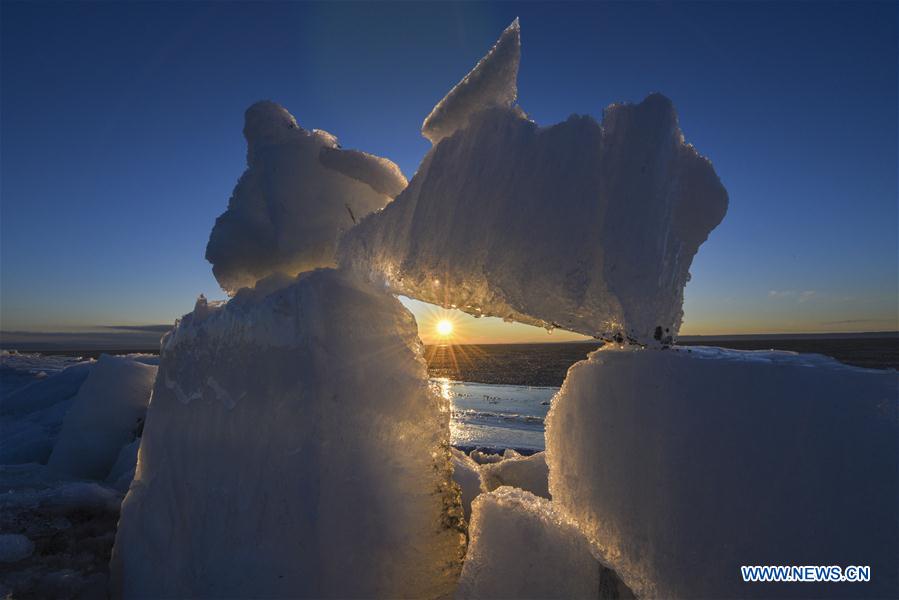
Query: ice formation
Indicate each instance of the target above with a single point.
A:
(32, 413)
(122, 471)
(528, 473)
(485, 458)
(31, 437)
(44, 393)
(682, 465)
(300, 190)
(467, 476)
(586, 226)
(293, 448)
(105, 416)
(521, 547)
(492, 83)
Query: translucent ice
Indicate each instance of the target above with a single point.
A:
(682, 465)
(105, 415)
(528, 473)
(299, 192)
(586, 226)
(521, 547)
(492, 83)
(293, 448)
(467, 476)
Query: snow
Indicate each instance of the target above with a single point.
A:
(467, 476)
(681, 465)
(528, 473)
(299, 192)
(327, 474)
(492, 83)
(586, 226)
(521, 547)
(14, 547)
(105, 415)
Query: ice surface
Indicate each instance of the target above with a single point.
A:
(72, 525)
(521, 547)
(105, 416)
(45, 392)
(467, 476)
(31, 437)
(31, 415)
(586, 226)
(684, 464)
(299, 192)
(293, 448)
(492, 83)
(528, 473)
(496, 417)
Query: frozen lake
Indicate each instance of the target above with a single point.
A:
(496, 416)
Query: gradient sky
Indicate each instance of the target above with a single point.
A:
(121, 138)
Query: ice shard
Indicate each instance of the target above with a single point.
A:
(492, 83)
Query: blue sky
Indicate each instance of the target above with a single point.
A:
(121, 137)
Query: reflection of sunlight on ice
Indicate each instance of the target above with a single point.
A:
(493, 415)
(442, 386)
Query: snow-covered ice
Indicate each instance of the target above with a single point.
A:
(586, 226)
(105, 416)
(529, 473)
(299, 192)
(521, 547)
(293, 448)
(682, 465)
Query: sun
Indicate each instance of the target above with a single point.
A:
(444, 328)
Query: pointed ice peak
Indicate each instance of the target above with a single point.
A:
(492, 83)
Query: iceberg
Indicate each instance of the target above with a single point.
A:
(299, 192)
(105, 416)
(683, 465)
(587, 226)
(293, 448)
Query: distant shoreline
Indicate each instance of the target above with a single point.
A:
(546, 363)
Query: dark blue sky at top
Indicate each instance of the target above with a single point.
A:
(121, 136)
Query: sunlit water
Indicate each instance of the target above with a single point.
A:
(496, 416)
